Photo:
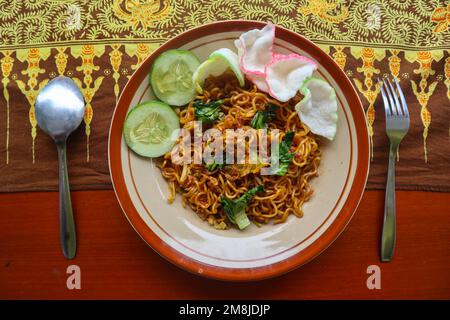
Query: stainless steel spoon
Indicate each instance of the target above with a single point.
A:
(59, 111)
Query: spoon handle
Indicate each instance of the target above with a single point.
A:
(66, 223)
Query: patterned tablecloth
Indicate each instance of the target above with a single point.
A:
(99, 43)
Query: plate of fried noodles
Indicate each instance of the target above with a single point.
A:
(239, 150)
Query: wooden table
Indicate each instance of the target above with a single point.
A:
(116, 263)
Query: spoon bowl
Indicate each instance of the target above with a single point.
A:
(59, 108)
(59, 111)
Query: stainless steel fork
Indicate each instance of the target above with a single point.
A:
(397, 125)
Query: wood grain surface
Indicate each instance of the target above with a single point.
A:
(115, 263)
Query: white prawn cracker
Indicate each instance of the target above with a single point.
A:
(286, 74)
(255, 49)
(318, 108)
(259, 82)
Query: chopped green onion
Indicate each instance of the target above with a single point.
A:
(262, 118)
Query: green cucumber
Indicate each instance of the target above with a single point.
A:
(149, 127)
(171, 77)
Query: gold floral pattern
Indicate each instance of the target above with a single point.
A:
(61, 60)
(144, 24)
(369, 89)
(115, 57)
(441, 16)
(423, 94)
(340, 57)
(447, 82)
(325, 10)
(88, 86)
(142, 14)
(6, 65)
(31, 88)
(406, 23)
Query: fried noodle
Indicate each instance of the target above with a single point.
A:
(202, 189)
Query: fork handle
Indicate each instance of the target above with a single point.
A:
(388, 235)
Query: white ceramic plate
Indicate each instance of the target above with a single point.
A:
(255, 253)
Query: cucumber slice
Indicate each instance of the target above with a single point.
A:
(171, 77)
(218, 62)
(318, 108)
(149, 127)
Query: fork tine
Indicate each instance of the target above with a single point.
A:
(390, 97)
(402, 98)
(387, 108)
(397, 102)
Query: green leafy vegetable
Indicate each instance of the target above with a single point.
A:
(262, 118)
(235, 209)
(208, 112)
(284, 155)
(213, 166)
